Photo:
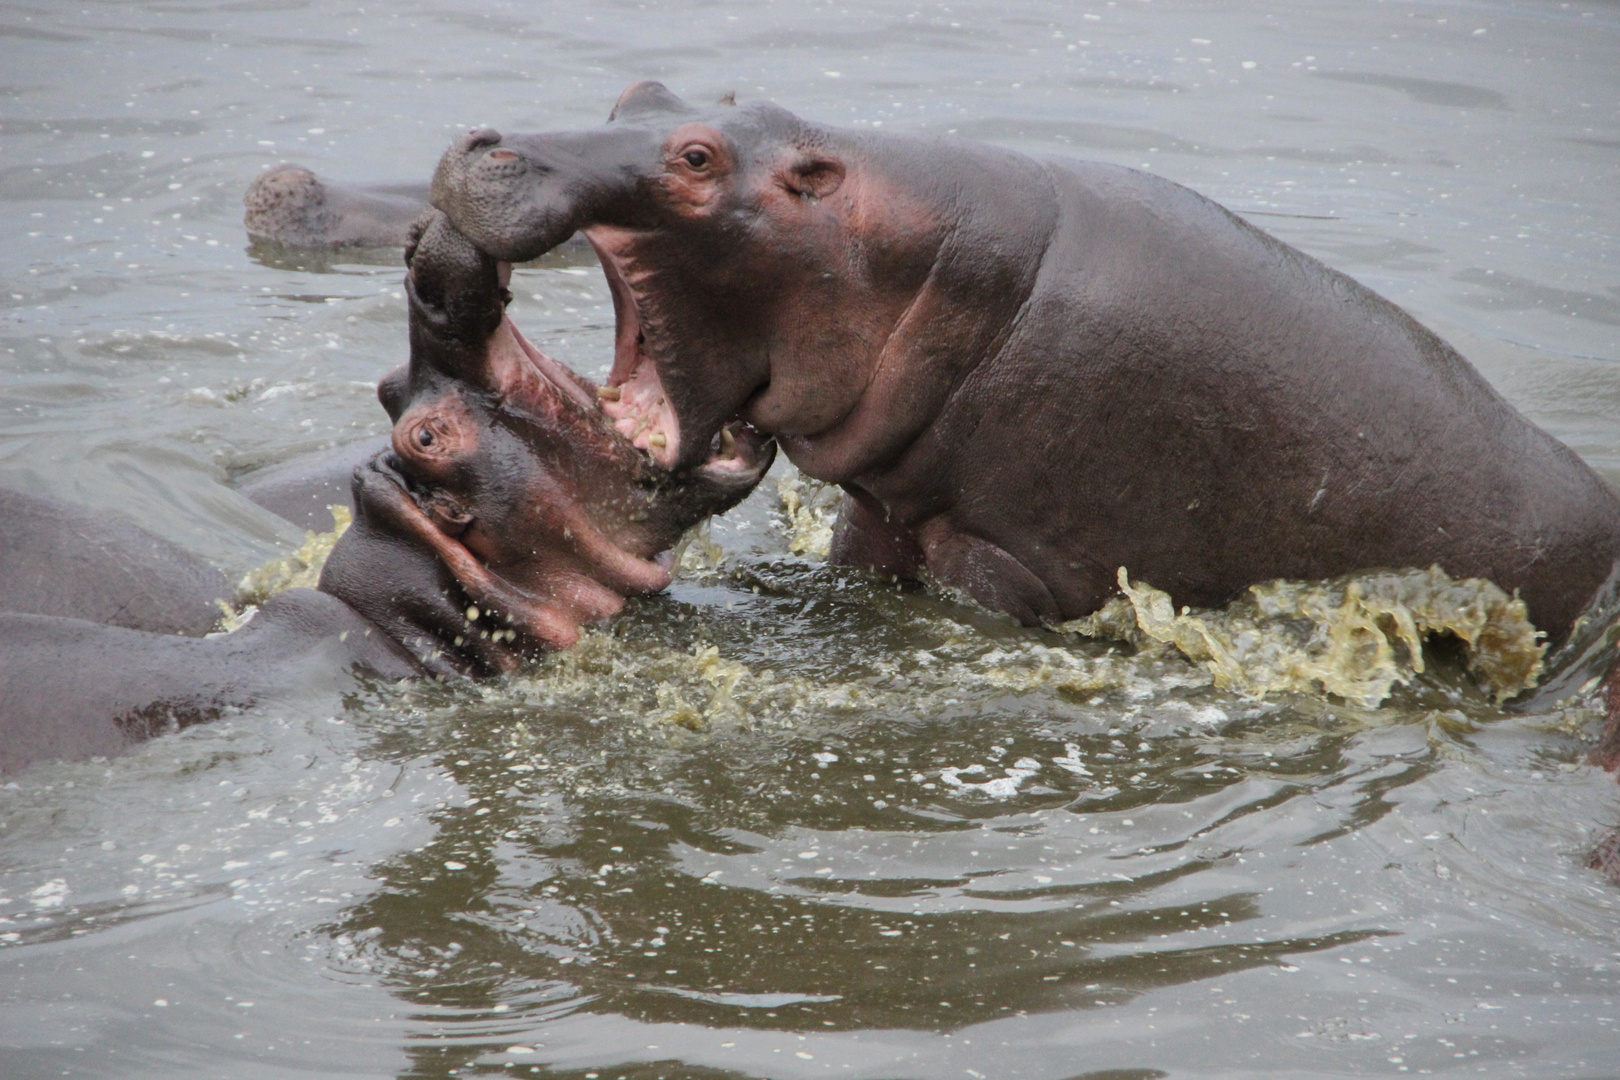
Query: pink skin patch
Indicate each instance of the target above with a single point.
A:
(519, 368)
(634, 395)
(642, 413)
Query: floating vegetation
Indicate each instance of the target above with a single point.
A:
(810, 507)
(1353, 637)
(698, 552)
(300, 570)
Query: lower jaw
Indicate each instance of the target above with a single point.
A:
(734, 450)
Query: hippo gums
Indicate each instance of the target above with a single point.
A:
(1028, 373)
(509, 512)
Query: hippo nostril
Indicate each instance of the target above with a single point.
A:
(478, 137)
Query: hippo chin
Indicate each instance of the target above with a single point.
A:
(507, 512)
(1027, 373)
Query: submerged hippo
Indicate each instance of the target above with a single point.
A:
(1028, 373)
(503, 474)
(289, 205)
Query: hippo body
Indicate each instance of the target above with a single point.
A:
(101, 642)
(1027, 374)
(303, 489)
(290, 206)
(67, 561)
(72, 689)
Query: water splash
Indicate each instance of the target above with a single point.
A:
(300, 570)
(1354, 637)
(811, 508)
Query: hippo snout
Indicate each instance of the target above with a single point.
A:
(478, 138)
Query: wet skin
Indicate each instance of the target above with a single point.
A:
(57, 559)
(508, 513)
(71, 688)
(503, 465)
(1029, 373)
(291, 206)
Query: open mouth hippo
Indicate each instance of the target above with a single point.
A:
(503, 465)
(509, 512)
(1027, 374)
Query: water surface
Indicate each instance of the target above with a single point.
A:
(784, 822)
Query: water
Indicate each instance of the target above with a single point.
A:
(784, 822)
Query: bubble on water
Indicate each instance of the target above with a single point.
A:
(1003, 787)
(52, 894)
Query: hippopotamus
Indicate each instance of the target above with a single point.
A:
(57, 559)
(507, 512)
(289, 205)
(1027, 374)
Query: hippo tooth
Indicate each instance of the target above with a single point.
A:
(608, 393)
(728, 443)
(657, 439)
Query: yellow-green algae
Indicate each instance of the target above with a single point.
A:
(1353, 637)
(698, 552)
(300, 570)
(810, 507)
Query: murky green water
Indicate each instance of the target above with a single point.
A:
(784, 822)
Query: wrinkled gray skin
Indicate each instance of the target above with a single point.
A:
(101, 664)
(1029, 373)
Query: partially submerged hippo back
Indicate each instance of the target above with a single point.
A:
(291, 206)
(1028, 374)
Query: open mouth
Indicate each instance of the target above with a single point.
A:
(635, 397)
(633, 400)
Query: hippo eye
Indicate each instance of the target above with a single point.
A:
(697, 158)
(424, 437)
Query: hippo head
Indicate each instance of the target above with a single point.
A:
(503, 466)
(760, 266)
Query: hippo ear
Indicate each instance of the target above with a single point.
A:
(813, 176)
(644, 99)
